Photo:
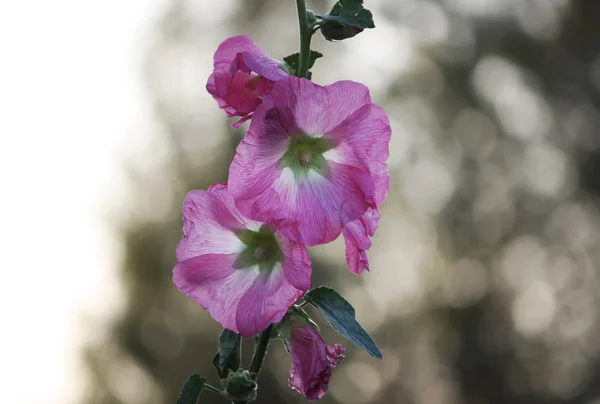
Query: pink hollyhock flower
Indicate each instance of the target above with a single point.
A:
(243, 272)
(313, 160)
(312, 361)
(242, 75)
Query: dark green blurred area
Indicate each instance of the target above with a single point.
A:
(484, 283)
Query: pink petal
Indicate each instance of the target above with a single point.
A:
(367, 132)
(312, 362)
(221, 191)
(229, 49)
(357, 236)
(317, 109)
(268, 300)
(264, 66)
(207, 227)
(211, 281)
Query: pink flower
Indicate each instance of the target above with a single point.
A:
(312, 361)
(243, 272)
(242, 75)
(313, 160)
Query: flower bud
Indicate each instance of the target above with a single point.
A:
(336, 31)
(240, 387)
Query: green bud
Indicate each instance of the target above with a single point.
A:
(336, 31)
(240, 387)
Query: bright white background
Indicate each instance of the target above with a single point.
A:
(70, 100)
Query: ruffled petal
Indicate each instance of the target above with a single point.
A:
(264, 66)
(208, 227)
(312, 362)
(357, 237)
(212, 281)
(220, 190)
(268, 299)
(315, 109)
(367, 132)
(229, 48)
(242, 75)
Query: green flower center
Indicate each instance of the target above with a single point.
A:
(305, 153)
(262, 249)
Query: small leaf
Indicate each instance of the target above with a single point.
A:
(352, 13)
(191, 390)
(293, 61)
(228, 356)
(342, 317)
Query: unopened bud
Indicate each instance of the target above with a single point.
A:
(336, 31)
(240, 386)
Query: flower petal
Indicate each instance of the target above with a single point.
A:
(367, 131)
(208, 227)
(357, 236)
(267, 301)
(317, 109)
(229, 48)
(212, 281)
(264, 66)
(312, 361)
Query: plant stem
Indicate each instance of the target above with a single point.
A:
(260, 350)
(211, 388)
(305, 36)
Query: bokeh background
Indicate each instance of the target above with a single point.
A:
(484, 283)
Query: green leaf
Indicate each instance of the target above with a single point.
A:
(342, 317)
(228, 356)
(350, 12)
(191, 390)
(293, 61)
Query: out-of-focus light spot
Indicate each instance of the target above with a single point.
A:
(131, 384)
(366, 378)
(355, 382)
(428, 185)
(369, 318)
(575, 226)
(479, 8)
(464, 283)
(595, 72)
(390, 366)
(521, 111)
(522, 263)
(539, 18)
(405, 244)
(209, 11)
(428, 21)
(545, 170)
(400, 143)
(386, 51)
(576, 314)
(581, 122)
(534, 309)
(476, 133)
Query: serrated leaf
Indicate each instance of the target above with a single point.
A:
(293, 61)
(352, 13)
(228, 356)
(191, 390)
(342, 317)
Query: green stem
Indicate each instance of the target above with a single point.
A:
(260, 350)
(208, 387)
(305, 36)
